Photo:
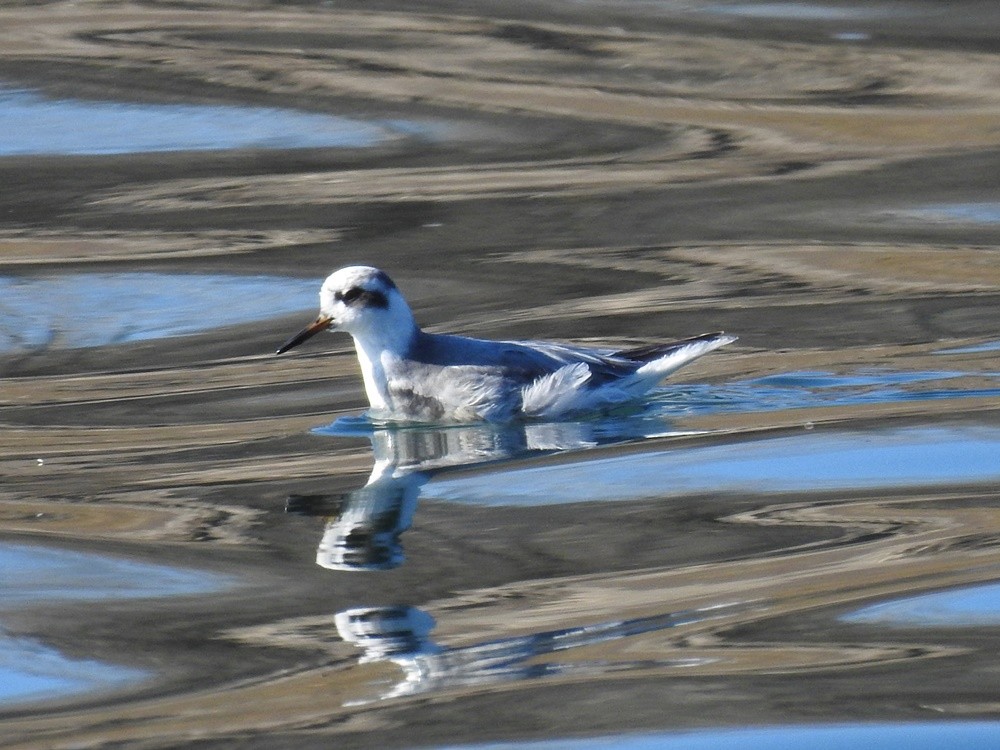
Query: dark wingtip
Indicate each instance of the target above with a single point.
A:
(652, 351)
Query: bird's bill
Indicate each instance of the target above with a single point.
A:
(320, 324)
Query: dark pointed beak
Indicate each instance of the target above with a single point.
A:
(320, 324)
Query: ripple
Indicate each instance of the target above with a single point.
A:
(811, 461)
(811, 389)
(913, 736)
(31, 123)
(981, 212)
(38, 574)
(794, 11)
(986, 346)
(30, 671)
(970, 606)
(95, 309)
(34, 575)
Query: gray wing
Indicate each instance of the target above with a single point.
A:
(544, 357)
(605, 364)
(526, 361)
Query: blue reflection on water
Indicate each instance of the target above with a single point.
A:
(31, 123)
(984, 212)
(796, 390)
(986, 346)
(34, 576)
(794, 11)
(970, 606)
(30, 671)
(94, 309)
(810, 461)
(913, 736)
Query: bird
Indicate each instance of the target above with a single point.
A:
(414, 376)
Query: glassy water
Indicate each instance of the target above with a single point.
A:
(34, 124)
(788, 555)
(96, 309)
(34, 575)
(974, 606)
(915, 736)
(819, 460)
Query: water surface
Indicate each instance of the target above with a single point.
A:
(31, 123)
(71, 311)
(31, 671)
(34, 575)
(973, 606)
(915, 736)
(815, 460)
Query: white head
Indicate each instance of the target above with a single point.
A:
(364, 302)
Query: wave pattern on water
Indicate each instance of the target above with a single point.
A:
(96, 309)
(801, 390)
(31, 123)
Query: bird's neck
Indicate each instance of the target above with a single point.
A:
(376, 352)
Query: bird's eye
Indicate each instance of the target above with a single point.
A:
(350, 295)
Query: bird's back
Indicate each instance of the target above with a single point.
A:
(446, 377)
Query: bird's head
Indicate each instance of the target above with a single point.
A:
(362, 301)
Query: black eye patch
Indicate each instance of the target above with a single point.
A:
(357, 296)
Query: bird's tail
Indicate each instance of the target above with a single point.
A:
(660, 360)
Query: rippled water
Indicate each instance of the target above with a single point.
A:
(976, 606)
(35, 574)
(31, 671)
(38, 576)
(31, 123)
(792, 543)
(800, 390)
(797, 11)
(824, 460)
(984, 212)
(95, 309)
(916, 736)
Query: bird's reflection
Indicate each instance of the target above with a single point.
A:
(401, 635)
(363, 527)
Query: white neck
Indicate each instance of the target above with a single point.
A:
(375, 352)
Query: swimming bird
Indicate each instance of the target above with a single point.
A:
(412, 375)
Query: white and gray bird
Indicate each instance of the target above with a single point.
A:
(412, 375)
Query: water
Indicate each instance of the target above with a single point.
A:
(95, 309)
(31, 671)
(812, 389)
(402, 636)
(914, 736)
(658, 413)
(986, 346)
(797, 11)
(364, 528)
(979, 212)
(612, 580)
(974, 606)
(35, 575)
(816, 460)
(31, 123)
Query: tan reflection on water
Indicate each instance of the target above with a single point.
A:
(186, 449)
(928, 542)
